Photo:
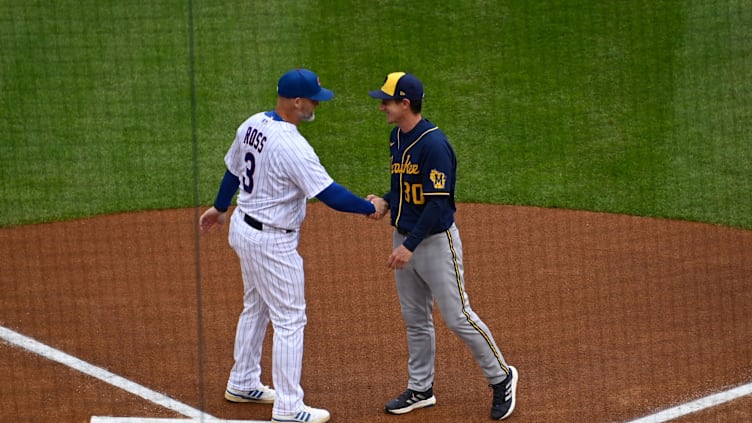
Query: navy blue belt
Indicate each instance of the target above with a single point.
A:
(255, 224)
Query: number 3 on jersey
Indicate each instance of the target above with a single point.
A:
(250, 168)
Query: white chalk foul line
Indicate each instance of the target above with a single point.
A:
(108, 377)
(696, 405)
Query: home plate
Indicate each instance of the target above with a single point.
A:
(102, 419)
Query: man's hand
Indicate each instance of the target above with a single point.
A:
(210, 218)
(382, 207)
(399, 258)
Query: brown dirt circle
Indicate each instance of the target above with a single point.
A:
(607, 317)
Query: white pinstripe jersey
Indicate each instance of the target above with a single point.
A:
(278, 171)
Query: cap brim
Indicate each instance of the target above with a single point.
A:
(323, 95)
(382, 95)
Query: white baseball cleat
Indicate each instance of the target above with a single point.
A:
(262, 395)
(306, 415)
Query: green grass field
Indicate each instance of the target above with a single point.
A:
(633, 107)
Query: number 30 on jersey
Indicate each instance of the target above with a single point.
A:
(413, 193)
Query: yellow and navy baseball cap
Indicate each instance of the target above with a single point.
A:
(399, 85)
(302, 83)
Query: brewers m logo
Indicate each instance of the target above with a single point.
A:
(438, 179)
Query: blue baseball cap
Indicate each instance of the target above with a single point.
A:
(302, 83)
(399, 85)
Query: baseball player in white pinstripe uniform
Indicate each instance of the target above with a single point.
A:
(277, 171)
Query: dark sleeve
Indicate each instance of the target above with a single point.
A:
(388, 197)
(339, 198)
(427, 221)
(227, 190)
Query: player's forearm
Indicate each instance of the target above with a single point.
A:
(339, 198)
(227, 190)
(427, 221)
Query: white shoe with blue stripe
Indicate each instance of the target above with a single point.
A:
(306, 415)
(262, 395)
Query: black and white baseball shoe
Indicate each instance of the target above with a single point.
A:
(505, 395)
(411, 400)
